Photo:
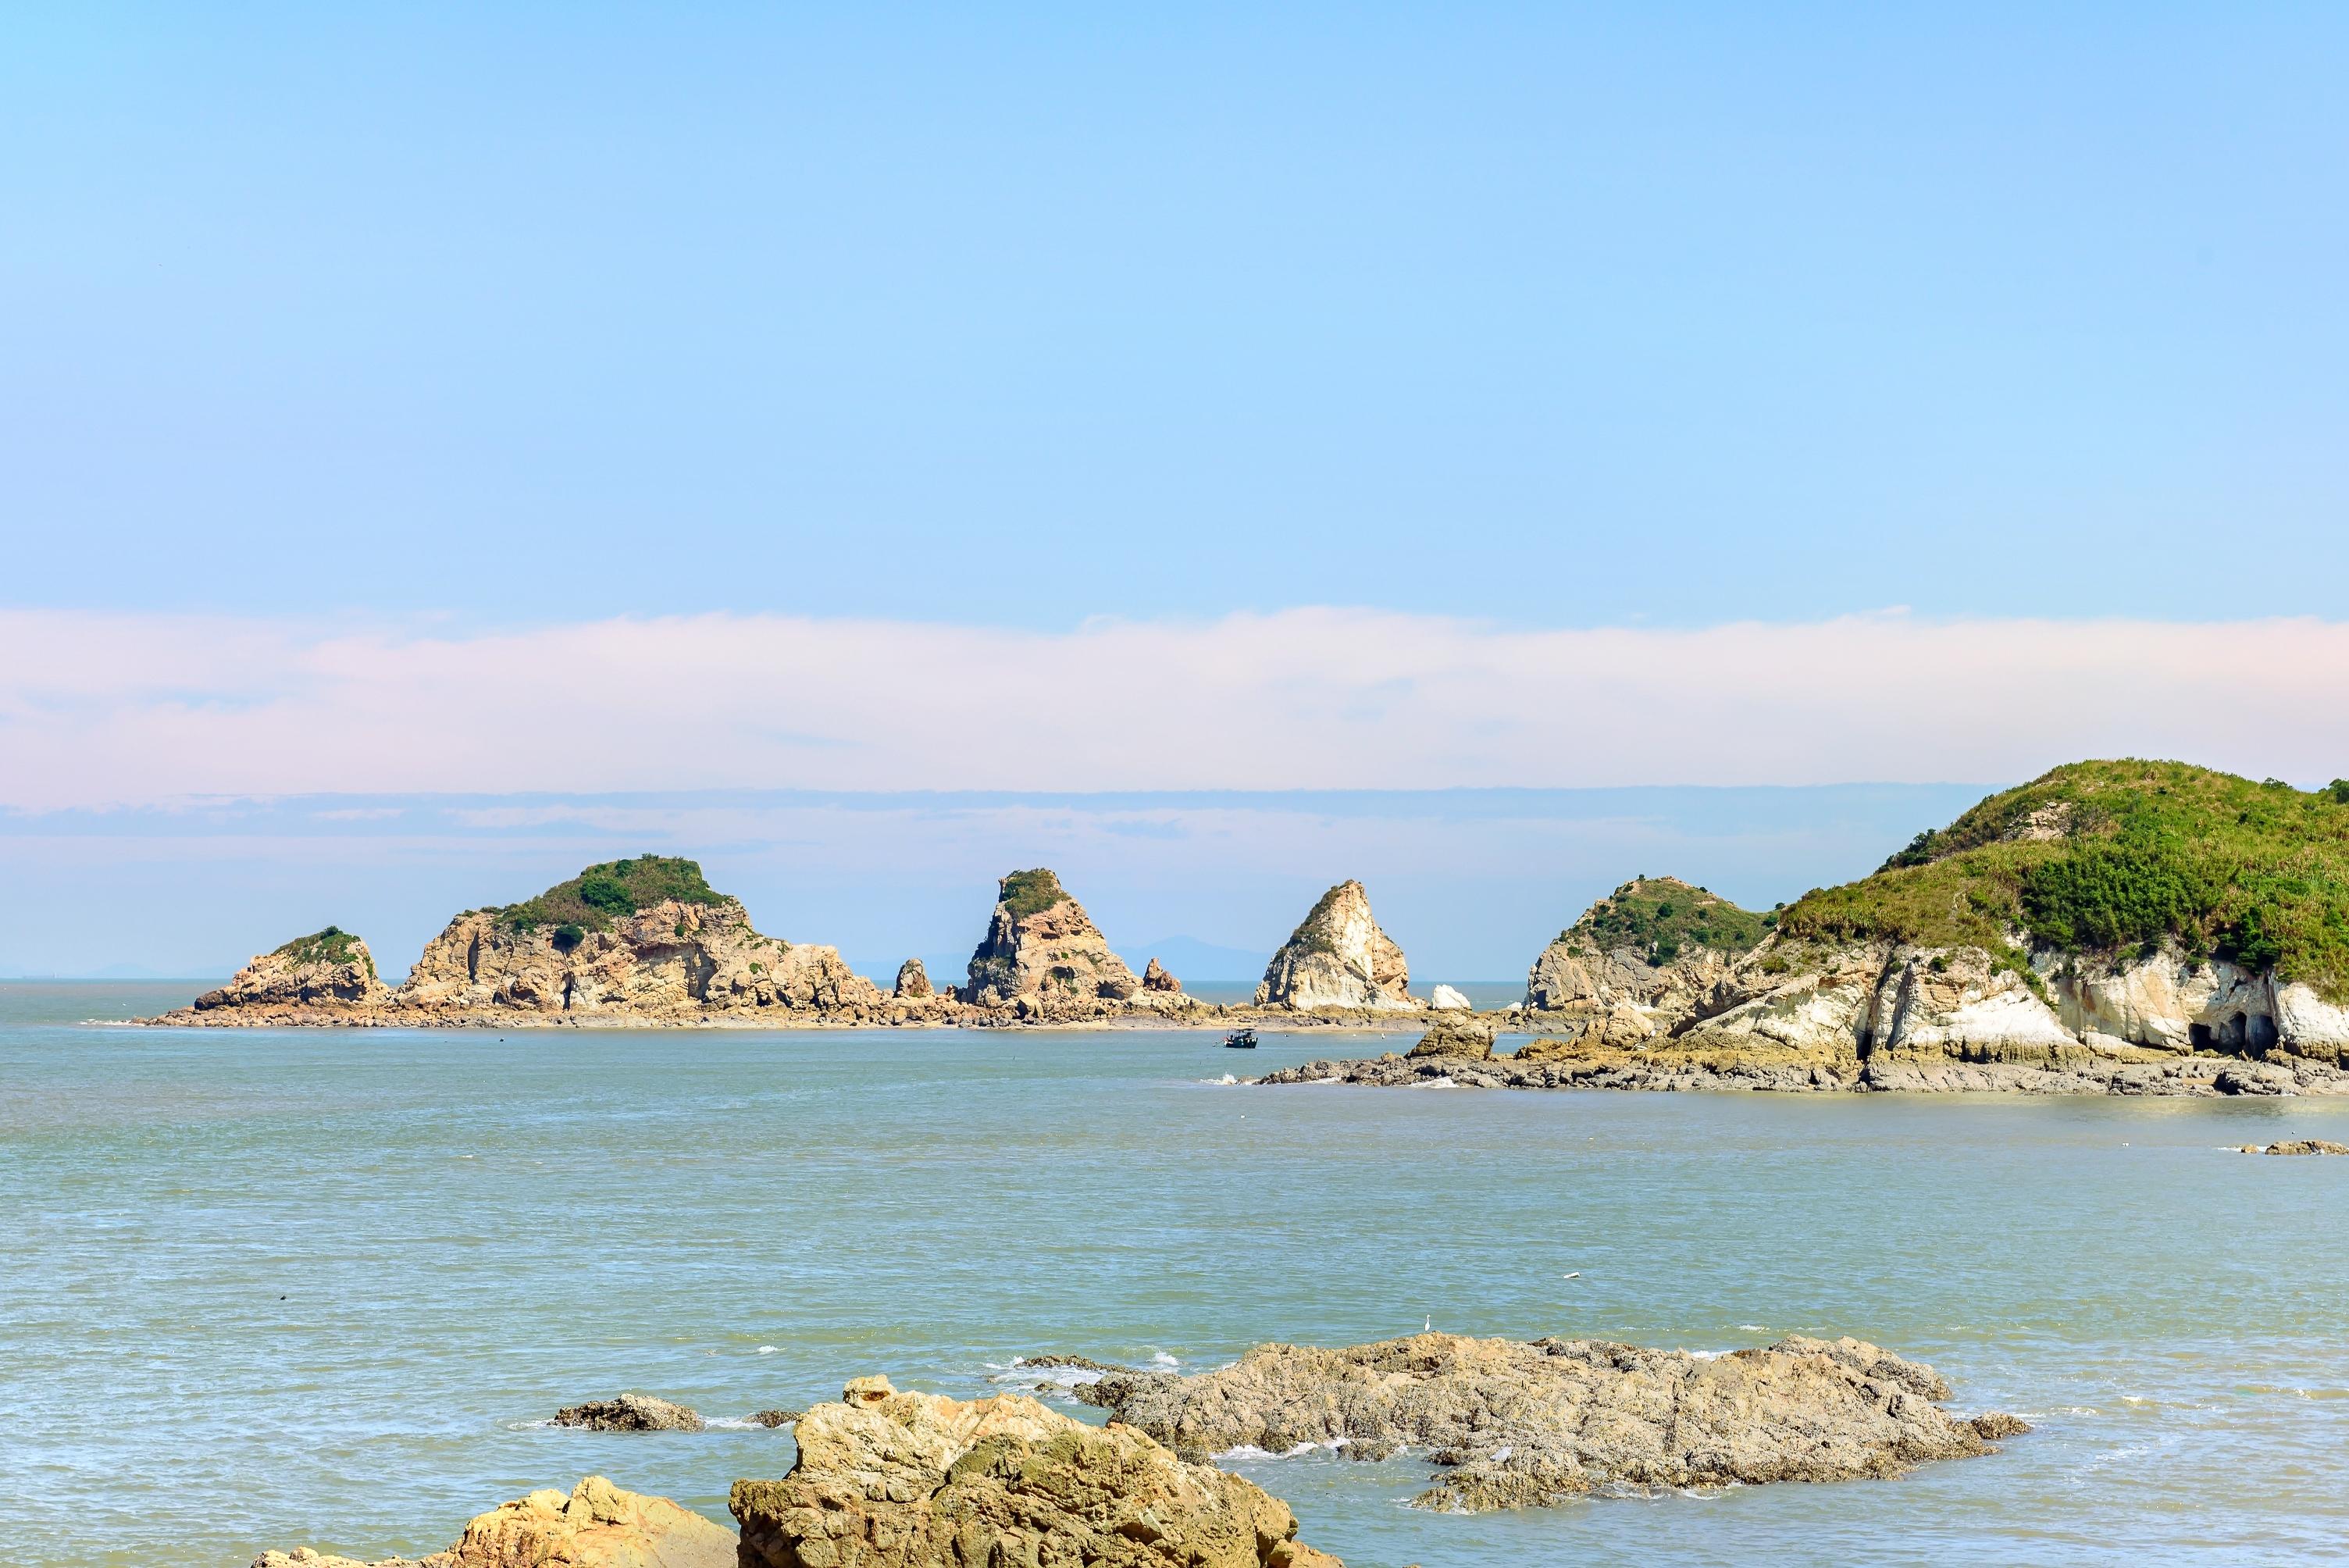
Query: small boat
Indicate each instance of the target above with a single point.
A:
(1240, 1040)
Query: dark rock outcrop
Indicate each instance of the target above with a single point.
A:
(629, 1413)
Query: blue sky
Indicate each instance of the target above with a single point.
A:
(1559, 315)
(557, 404)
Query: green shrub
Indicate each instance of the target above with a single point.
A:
(2117, 857)
(332, 946)
(568, 936)
(603, 895)
(1027, 893)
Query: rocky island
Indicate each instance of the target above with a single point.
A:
(2121, 927)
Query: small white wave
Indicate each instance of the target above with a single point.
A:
(1160, 1358)
(1250, 1452)
(732, 1424)
(765, 1350)
(1226, 1079)
(1438, 1083)
(1752, 1328)
(1704, 1355)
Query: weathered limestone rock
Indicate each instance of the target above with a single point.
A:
(629, 1413)
(1337, 957)
(1455, 1037)
(913, 980)
(330, 968)
(1041, 945)
(891, 1480)
(1445, 999)
(670, 961)
(1157, 978)
(2299, 1146)
(1513, 1425)
(597, 1526)
(1596, 965)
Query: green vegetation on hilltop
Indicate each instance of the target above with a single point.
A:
(1663, 917)
(601, 895)
(2110, 859)
(1031, 892)
(332, 946)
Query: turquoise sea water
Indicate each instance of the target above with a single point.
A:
(306, 1287)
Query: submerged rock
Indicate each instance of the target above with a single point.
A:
(2299, 1146)
(891, 1480)
(629, 1413)
(597, 1526)
(1514, 1424)
(773, 1419)
(1337, 957)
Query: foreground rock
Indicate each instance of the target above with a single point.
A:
(2299, 1146)
(1041, 945)
(891, 1480)
(1512, 1425)
(327, 969)
(629, 1413)
(597, 1526)
(1339, 957)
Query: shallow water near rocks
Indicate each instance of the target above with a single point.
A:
(310, 1287)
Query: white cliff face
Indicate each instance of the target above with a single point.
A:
(1339, 957)
(674, 960)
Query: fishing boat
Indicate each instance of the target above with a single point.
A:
(1240, 1040)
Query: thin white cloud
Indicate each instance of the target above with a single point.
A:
(102, 708)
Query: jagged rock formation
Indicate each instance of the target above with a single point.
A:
(1339, 957)
(629, 1413)
(1514, 1425)
(325, 969)
(1455, 1037)
(640, 941)
(1041, 944)
(597, 1526)
(912, 980)
(1157, 978)
(1652, 937)
(891, 1480)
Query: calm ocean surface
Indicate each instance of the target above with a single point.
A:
(269, 1289)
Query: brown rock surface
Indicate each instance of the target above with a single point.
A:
(912, 980)
(1337, 957)
(597, 1526)
(891, 1480)
(1461, 1036)
(1518, 1424)
(1157, 978)
(1040, 945)
(327, 969)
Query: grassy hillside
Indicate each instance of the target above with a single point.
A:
(601, 895)
(332, 946)
(2115, 858)
(1664, 917)
(1031, 892)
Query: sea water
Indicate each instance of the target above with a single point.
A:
(269, 1288)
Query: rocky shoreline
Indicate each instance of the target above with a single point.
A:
(886, 1478)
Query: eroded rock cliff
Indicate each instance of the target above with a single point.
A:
(327, 969)
(1041, 944)
(1337, 957)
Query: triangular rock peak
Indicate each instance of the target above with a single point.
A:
(1040, 943)
(1337, 957)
